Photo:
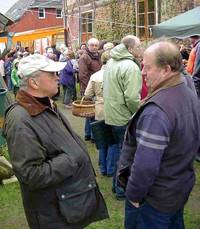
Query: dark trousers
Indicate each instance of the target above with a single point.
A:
(88, 129)
(69, 94)
(147, 217)
(106, 159)
(118, 132)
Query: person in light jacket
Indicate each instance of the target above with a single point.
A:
(95, 90)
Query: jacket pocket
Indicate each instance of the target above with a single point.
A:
(78, 202)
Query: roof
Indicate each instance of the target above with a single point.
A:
(4, 22)
(18, 9)
(47, 4)
(184, 25)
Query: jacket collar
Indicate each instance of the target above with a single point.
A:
(30, 103)
(93, 55)
(171, 82)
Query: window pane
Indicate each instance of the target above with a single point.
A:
(83, 27)
(90, 27)
(87, 22)
(151, 19)
(90, 17)
(150, 5)
(141, 20)
(41, 12)
(141, 32)
(84, 19)
(58, 13)
(140, 7)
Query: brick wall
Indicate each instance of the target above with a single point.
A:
(31, 21)
(73, 23)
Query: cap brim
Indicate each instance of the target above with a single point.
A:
(54, 67)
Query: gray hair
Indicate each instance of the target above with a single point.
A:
(93, 41)
(130, 41)
(24, 79)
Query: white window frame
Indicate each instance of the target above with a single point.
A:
(60, 16)
(39, 9)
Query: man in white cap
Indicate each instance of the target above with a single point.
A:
(51, 162)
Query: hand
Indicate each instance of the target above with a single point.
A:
(135, 204)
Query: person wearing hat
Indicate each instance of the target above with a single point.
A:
(49, 159)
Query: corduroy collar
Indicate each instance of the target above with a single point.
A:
(30, 103)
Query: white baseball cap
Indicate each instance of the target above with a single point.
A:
(37, 62)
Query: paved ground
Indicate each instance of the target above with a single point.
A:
(76, 122)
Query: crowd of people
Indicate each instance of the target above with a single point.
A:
(149, 99)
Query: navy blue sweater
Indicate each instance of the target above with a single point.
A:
(160, 144)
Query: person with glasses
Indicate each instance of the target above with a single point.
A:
(50, 160)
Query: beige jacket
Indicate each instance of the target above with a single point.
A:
(95, 90)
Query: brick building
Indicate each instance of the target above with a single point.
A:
(105, 19)
(101, 17)
(37, 23)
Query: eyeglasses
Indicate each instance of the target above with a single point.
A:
(50, 74)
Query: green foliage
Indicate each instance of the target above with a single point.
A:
(123, 17)
(4, 152)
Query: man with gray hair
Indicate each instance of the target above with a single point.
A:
(121, 91)
(49, 159)
(89, 63)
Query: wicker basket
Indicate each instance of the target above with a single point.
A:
(83, 108)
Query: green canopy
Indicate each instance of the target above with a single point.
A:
(184, 25)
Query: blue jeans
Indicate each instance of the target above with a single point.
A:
(9, 83)
(118, 132)
(106, 159)
(68, 95)
(88, 130)
(147, 217)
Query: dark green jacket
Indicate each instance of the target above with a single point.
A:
(57, 179)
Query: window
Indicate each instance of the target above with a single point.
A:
(89, 22)
(41, 13)
(58, 13)
(145, 17)
(86, 25)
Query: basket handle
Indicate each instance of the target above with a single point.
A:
(82, 100)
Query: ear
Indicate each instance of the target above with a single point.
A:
(33, 83)
(167, 70)
(130, 49)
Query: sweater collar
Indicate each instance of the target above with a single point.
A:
(171, 82)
